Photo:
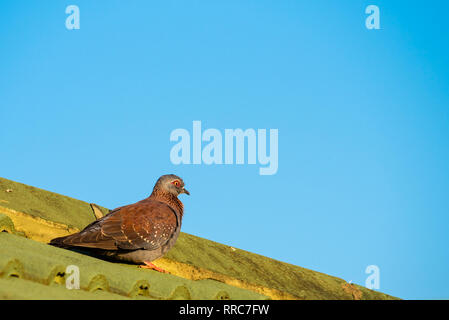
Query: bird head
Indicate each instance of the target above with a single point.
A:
(172, 184)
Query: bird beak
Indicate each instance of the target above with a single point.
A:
(185, 191)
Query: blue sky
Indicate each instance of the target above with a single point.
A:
(363, 120)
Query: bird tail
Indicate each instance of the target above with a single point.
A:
(58, 242)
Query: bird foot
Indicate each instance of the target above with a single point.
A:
(149, 265)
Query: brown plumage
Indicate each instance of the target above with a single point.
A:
(139, 232)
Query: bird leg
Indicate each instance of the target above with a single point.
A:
(149, 265)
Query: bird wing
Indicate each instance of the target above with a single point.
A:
(147, 224)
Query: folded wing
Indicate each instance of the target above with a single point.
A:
(147, 224)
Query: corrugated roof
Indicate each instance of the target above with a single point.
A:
(38, 264)
(200, 269)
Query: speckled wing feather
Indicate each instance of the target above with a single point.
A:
(147, 224)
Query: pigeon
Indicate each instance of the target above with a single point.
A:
(137, 233)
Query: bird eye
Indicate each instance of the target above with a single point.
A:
(176, 183)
